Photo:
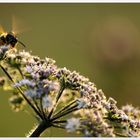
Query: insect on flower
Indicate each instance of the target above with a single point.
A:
(9, 38)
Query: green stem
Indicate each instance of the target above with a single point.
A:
(64, 108)
(61, 90)
(65, 113)
(42, 111)
(20, 71)
(36, 104)
(120, 135)
(58, 126)
(58, 97)
(62, 121)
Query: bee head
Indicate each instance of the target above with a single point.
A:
(11, 39)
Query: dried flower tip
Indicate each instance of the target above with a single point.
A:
(101, 94)
(112, 101)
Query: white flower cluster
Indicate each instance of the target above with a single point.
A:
(55, 92)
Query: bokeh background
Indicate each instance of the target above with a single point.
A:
(101, 41)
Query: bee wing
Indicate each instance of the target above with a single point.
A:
(1, 29)
(17, 26)
(14, 25)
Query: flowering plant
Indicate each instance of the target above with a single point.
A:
(62, 98)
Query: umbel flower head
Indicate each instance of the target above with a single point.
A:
(63, 99)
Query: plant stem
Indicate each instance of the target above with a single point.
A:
(74, 108)
(42, 111)
(120, 135)
(64, 108)
(58, 97)
(40, 128)
(20, 72)
(58, 126)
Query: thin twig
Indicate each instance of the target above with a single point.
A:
(66, 113)
(20, 71)
(58, 97)
(58, 126)
(120, 135)
(62, 121)
(36, 104)
(41, 107)
(64, 108)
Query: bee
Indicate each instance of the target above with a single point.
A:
(9, 39)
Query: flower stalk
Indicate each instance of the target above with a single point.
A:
(40, 129)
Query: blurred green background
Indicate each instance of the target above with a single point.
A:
(101, 41)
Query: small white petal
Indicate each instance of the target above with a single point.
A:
(72, 124)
